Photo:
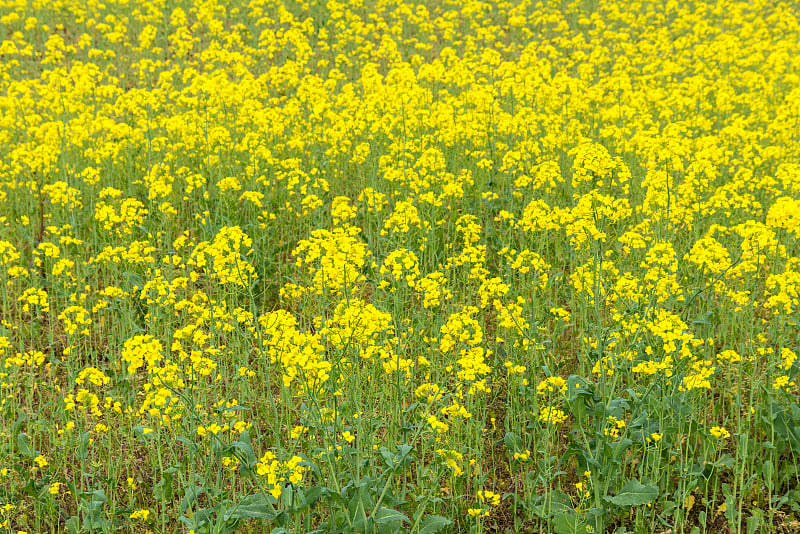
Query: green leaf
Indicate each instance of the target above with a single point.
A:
(190, 497)
(73, 525)
(198, 520)
(620, 448)
(162, 491)
(513, 442)
(433, 524)
(139, 432)
(578, 387)
(92, 507)
(569, 523)
(24, 445)
(556, 502)
(401, 458)
(19, 423)
(704, 319)
(254, 511)
(189, 444)
(634, 493)
(312, 495)
(83, 449)
(298, 498)
(411, 407)
(244, 446)
(752, 524)
(388, 457)
(361, 499)
(387, 515)
(768, 469)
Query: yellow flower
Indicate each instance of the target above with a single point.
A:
(436, 425)
(553, 416)
(489, 497)
(522, 456)
(720, 432)
(142, 515)
(297, 431)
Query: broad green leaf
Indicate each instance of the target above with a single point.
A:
(162, 491)
(24, 445)
(569, 523)
(83, 449)
(634, 493)
(244, 446)
(73, 525)
(387, 515)
(513, 442)
(256, 506)
(433, 524)
(251, 511)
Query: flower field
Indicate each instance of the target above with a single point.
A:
(368, 266)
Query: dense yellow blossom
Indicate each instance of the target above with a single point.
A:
(398, 252)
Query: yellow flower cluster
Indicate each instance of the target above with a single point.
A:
(277, 473)
(332, 260)
(224, 257)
